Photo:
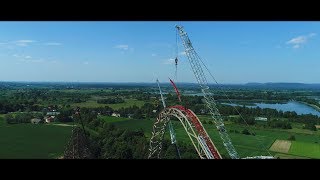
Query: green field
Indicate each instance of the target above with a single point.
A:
(32, 141)
(288, 156)
(246, 145)
(133, 124)
(94, 104)
(2, 119)
(111, 119)
(305, 149)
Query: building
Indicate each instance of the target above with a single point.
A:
(154, 111)
(35, 121)
(261, 119)
(115, 114)
(49, 119)
(53, 113)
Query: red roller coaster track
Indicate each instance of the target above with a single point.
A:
(193, 127)
(198, 126)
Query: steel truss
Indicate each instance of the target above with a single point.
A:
(195, 60)
(193, 127)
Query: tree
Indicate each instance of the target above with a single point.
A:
(292, 138)
(9, 118)
(246, 132)
(64, 116)
(137, 114)
(310, 126)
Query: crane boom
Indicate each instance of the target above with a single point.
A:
(194, 61)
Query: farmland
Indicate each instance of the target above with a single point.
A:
(282, 146)
(246, 145)
(93, 103)
(32, 141)
(138, 109)
(305, 149)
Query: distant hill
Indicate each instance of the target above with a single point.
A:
(284, 85)
(251, 85)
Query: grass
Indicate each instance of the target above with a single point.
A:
(33, 141)
(127, 103)
(288, 156)
(305, 149)
(282, 146)
(111, 119)
(133, 124)
(246, 145)
(94, 104)
(2, 121)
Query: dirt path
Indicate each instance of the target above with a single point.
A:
(282, 146)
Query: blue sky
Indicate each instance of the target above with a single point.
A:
(235, 52)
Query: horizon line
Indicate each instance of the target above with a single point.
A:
(1, 81)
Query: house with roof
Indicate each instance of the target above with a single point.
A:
(261, 119)
(115, 114)
(49, 119)
(35, 121)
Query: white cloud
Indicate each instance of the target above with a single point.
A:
(153, 55)
(52, 44)
(296, 46)
(22, 56)
(86, 63)
(183, 53)
(168, 61)
(297, 42)
(122, 46)
(29, 59)
(23, 42)
(32, 60)
(312, 34)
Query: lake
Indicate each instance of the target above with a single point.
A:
(299, 108)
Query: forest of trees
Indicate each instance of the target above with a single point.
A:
(110, 101)
(112, 142)
(21, 117)
(36, 100)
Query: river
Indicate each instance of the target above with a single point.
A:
(299, 108)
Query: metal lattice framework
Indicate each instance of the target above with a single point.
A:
(195, 62)
(193, 127)
(78, 146)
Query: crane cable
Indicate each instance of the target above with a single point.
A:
(229, 100)
(221, 89)
(176, 59)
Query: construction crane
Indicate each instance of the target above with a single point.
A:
(195, 62)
